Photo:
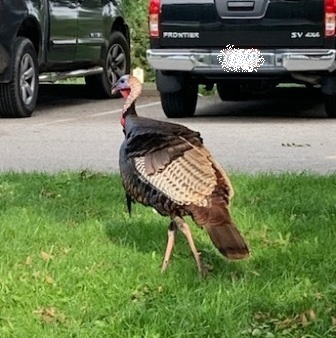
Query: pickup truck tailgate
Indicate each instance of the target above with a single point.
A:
(242, 23)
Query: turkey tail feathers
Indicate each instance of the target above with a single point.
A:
(222, 231)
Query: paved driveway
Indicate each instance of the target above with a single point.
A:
(288, 132)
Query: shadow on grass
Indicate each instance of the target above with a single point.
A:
(148, 235)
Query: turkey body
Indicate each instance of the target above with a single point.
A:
(166, 166)
(147, 137)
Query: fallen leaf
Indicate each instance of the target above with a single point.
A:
(29, 260)
(50, 315)
(304, 320)
(66, 250)
(333, 321)
(36, 274)
(261, 316)
(46, 314)
(256, 273)
(49, 279)
(256, 333)
(45, 256)
(45, 193)
(328, 310)
(312, 315)
(61, 318)
(285, 323)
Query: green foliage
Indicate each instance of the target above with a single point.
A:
(73, 263)
(136, 13)
(202, 90)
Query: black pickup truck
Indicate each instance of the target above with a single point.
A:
(296, 40)
(49, 40)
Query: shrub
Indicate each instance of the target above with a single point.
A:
(136, 12)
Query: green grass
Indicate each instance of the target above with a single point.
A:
(72, 81)
(74, 264)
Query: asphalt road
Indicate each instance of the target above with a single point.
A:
(286, 132)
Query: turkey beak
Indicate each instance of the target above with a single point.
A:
(115, 89)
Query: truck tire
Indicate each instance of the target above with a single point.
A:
(330, 105)
(181, 103)
(116, 64)
(18, 97)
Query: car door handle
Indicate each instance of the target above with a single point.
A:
(76, 4)
(73, 5)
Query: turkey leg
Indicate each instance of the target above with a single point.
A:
(170, 244)
(184, 227)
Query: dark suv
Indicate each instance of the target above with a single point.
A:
(48, 40)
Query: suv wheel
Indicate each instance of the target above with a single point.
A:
(18, 97)
(330, 105)
(181, 103)
(116, 64)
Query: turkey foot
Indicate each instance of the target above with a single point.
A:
(184, 227)
(170, 244)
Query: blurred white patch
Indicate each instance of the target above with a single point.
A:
(236, 59)
(139, 74)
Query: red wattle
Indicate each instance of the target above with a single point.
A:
(125, 93)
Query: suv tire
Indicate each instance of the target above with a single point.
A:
(116, 64)
(330, 105)
(181, 103)
(18, 97)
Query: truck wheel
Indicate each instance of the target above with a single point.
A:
(229, 91)
(330, 105)
(18, 97)
(116, 64)
(181, 103)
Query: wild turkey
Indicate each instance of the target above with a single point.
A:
(165, 166)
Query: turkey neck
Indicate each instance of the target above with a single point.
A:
(135, 91)
(130, 110)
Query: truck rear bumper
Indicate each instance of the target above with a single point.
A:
(201, 61)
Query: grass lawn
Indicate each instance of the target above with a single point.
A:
(74, 264)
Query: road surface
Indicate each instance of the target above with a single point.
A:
(288, 132)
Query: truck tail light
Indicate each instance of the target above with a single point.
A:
(329, 17)
(154, 12)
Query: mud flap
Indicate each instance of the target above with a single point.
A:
(329, 84)
(169, 82)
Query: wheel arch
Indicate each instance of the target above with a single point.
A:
(31, 30)
(121, 26)
(118, 25)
